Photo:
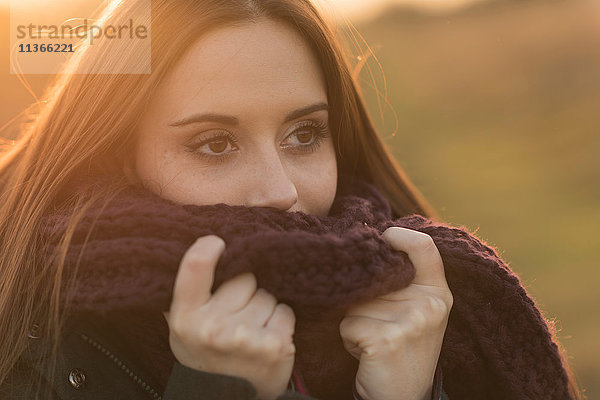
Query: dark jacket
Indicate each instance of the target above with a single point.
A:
(93, 365)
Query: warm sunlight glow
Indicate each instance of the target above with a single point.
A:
(361, 9)
(354, 9)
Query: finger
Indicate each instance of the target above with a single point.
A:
(283, 320)
(259, 309)
(422, 252)
(234, 294)
(385, 310)
(196, 273)
(359, 333)
(393, 306)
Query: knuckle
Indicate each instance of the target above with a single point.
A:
(273, 347)
(448, 299)
(418, 322)
(391, 338)
(286, 349)
(289, 350)
(344, 323)
(209, 333)
(241, 337)
(283, 319)
(347, 326)
(437, 309)
(343, 327)
(179, 325)
(287, 312)
(436, 305)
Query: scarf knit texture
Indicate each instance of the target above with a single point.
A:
(497, 344)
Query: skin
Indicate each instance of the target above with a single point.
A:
(259, 73)
(397, 338)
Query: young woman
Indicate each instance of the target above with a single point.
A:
(250, 108)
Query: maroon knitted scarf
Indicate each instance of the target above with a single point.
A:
(497, 344)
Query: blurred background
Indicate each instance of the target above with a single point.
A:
(493, 109)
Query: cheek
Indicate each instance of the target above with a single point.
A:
(163, 171)
(320, 183)
(157, 164)
(179, 177)
(148, 161)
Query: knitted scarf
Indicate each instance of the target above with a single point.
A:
(497, 344)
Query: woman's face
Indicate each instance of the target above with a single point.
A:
(242, 120)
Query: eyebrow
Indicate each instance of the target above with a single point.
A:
(231, 120)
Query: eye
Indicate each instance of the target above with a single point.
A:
(214, 148)
(217, 145)
(307, 137)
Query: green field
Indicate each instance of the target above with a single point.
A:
(495, 114)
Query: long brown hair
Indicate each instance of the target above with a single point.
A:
(84, 128)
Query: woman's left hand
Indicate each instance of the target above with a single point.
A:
(397, 338)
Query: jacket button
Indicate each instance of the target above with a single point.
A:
(34, 332)
(76, 378)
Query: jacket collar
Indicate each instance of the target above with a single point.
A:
(89, 365)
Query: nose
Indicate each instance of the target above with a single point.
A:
(270, 185)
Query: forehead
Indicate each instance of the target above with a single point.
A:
(265, 64)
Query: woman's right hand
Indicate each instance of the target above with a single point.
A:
(237, 331)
